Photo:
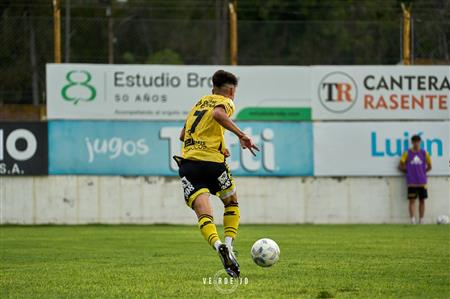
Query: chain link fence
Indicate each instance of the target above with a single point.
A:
(27, 45)
(431, 41)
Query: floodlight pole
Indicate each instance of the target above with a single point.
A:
(232, 5)
(57, 29)
(406, 35)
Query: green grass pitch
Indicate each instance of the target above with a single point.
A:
(163, 261)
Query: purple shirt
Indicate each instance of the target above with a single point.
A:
(416, 167)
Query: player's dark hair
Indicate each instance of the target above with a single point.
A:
(416, 138)
(221, 77)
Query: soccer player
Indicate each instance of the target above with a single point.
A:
(416, 162)
(202, 167)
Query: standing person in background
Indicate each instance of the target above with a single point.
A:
(416, 162)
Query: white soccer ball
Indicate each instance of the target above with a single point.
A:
(265, 252)
(442, 219)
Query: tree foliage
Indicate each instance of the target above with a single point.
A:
(271, 32)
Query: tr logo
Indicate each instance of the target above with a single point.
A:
(337, 92)
(78, 87)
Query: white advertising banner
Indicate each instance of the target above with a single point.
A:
(380, 92)
(168, 92)
(375, 148)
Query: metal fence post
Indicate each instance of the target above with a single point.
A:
(406, 40)
(233, 32)
(57, 29)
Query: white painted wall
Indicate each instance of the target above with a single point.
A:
(105, 199)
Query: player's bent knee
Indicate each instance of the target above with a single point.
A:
(201, 204)
(193, 197)
(232, 199)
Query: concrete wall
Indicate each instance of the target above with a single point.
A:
(91, 199)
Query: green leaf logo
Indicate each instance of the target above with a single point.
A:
(77, 82)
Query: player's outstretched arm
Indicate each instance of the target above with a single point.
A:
(220, 115)
(402, 163)
(428, 160)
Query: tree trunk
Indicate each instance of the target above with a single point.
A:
(221, 31)
(67, 33)
(33, 63)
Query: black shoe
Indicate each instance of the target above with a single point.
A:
(229, 261)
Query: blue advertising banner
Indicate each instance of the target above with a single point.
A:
(146, 148)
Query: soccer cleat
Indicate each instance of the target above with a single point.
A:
(231, 249)
(229, 261)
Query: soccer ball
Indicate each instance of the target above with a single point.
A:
(265, 252)
(442, 219)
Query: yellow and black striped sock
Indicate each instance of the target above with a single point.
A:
(208, 229)
(231, 220)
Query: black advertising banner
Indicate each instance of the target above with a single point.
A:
(23, 148)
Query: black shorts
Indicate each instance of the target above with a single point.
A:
(419, 191)
(199, 177)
